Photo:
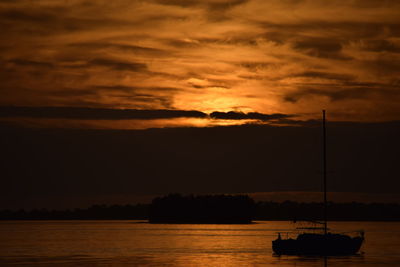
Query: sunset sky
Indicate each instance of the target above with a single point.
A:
(277, 56)
(216, 68)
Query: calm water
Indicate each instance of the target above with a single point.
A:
(130, 243)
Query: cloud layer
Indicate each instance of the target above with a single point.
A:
(95, 113)
(289, 57)
(101, 118)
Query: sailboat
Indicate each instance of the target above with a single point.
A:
(319, 240)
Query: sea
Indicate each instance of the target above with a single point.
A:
(138, 243)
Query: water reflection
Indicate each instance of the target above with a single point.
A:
(122, 243)
(353, 260)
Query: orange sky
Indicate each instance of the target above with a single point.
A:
(267, 56)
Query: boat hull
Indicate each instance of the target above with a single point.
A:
(318, 244)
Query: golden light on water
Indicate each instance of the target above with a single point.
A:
(127, 243)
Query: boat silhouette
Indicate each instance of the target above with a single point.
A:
(319, 240)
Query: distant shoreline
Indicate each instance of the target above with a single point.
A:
(265, 211)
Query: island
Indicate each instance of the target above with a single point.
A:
(202, 209)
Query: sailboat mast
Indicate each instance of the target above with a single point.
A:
(324, 171)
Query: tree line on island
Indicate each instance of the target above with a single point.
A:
(176, 208)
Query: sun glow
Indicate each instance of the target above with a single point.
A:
(208, 56)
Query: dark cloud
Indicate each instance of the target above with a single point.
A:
(113, 88)
(150, 89)
(334, 95)
(182, 3)
(374, 3)
(198, 86)
(381, 45)
(51, 20)
(181, 43)
(349, 90)
(212, 5)
(114, 64)
(320, 47)
(137, 91)
(232, 115)
(147, 101)
(71, 92)
(323, 75)
(118, 64)
(32, 15)
(335, 31)
(11, 1)
(222, 5)
(31, 63)
(95, 113)
(230, 38)
(256, 65)
(135, 49)
(384, 65)
(215, 9)
(124, 114)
